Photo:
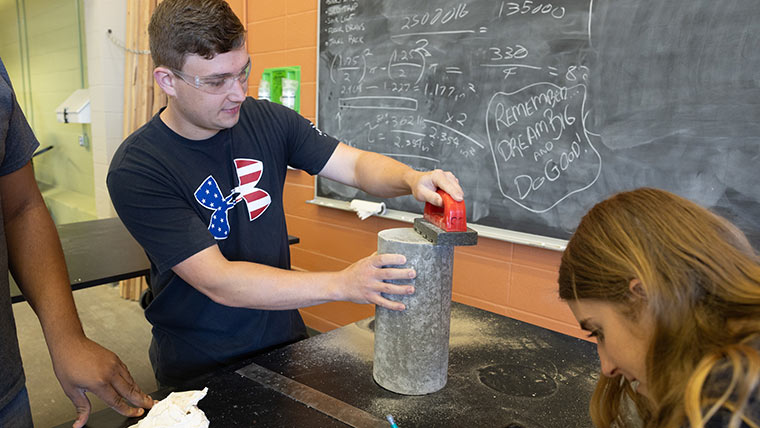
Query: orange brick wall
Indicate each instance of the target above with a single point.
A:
(508, 279)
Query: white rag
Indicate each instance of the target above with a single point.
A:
(365, 209)
(178, 410)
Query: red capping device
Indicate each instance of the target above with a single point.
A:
(447, 224)
(451, 216)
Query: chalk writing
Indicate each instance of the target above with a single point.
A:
(438, 16)
(414, 94)
(528, 7)
(537, 136)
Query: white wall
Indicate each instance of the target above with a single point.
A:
(105, 66)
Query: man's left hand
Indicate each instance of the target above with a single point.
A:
(425, 184)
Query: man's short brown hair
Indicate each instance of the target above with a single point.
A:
(202, 27)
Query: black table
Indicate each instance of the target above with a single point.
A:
(502, 373)
(101, 252)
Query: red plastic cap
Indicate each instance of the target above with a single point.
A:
(451, 217)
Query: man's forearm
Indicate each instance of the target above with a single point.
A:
(253, 285)
(385, 177)
(275, 289)
(256, 286)
(382, 176)
(38, 266)
(374, 173)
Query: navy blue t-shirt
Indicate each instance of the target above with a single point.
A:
(178, 197)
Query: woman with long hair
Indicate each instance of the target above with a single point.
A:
(671, 292)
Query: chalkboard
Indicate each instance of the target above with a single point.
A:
(542, 109)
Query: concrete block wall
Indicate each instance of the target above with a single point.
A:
(509, 279)
(105, 66)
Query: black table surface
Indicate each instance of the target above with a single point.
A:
(502, 373)
(101, 252)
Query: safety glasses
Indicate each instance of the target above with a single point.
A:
(218, 84)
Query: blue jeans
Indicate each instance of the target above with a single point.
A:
(17, 413)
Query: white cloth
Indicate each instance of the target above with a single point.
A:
(178, 410)
(365, 209)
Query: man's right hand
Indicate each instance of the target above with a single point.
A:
(82, 365)
(362, 282)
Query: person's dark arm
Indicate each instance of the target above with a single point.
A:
(38, 266)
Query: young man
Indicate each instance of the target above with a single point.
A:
(200, 188)
(30, 248)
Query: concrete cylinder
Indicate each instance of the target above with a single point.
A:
(412, 346)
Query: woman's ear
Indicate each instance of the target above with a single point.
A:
(165, 80)
(637, 289)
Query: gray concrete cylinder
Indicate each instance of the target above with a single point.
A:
(412, 346)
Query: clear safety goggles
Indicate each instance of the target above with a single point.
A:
(216, 84)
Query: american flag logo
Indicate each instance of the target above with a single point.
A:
(249, 173)
(256, 200)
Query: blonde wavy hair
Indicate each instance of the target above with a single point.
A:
(701, 281)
